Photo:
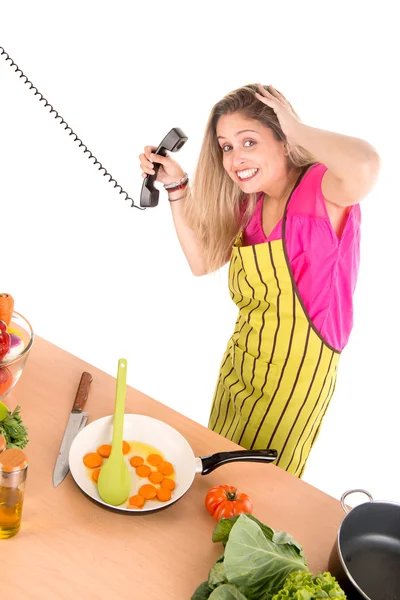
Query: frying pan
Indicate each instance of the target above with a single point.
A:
(366, 556)
(167, 441)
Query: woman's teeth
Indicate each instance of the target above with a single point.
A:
(247, 174)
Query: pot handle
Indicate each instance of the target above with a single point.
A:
(358, 491)
(211, 462)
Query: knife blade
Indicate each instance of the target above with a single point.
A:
(77, 420)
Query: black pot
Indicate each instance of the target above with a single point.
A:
(366, 556)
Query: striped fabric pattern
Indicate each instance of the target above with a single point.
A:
(277, 375)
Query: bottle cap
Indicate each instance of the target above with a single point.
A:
(12, 460)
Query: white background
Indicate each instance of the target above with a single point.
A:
(104, 280)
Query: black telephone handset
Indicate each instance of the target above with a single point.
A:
(173, 141)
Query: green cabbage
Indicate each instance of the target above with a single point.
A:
(254, 562)
(261, 564)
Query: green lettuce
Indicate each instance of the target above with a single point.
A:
(303, 586)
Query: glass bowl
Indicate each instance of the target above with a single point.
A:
(13, 363)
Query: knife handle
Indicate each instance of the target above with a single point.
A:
(82, 393)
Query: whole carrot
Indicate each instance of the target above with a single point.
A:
(6, 308)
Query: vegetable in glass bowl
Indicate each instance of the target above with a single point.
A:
(16, 339)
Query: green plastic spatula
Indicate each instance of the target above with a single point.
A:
(114, 480)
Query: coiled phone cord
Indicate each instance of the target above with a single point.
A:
(86, 150)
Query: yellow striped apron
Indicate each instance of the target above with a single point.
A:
(278, 374)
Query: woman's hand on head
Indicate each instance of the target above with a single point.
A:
(169, 171)
(288, 120)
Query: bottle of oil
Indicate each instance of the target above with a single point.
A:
(13, 471)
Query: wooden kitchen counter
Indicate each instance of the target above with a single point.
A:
(69, 547)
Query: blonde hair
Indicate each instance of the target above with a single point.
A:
(212, 206)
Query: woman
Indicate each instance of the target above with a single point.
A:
(281, 201)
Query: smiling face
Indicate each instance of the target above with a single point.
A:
(251, 154)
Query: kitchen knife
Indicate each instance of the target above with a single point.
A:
(77, 420)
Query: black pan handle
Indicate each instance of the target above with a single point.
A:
(211, 462)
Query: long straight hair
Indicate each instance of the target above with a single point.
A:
(213, 204)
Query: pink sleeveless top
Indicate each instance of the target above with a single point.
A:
(324, 267)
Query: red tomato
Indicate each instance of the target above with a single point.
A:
(225, 501)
